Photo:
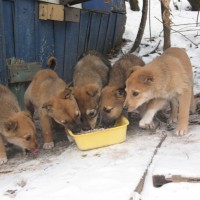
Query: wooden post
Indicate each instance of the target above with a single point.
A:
(3, 71)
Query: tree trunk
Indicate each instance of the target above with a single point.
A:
(142, 26)
(134, 5)
(165, 11)
(195, 4)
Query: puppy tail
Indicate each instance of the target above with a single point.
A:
(51, 63)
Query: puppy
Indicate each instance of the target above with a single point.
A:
(53, 99)
(16, 126)
(168, 77)
(113, 95)
(90, 76)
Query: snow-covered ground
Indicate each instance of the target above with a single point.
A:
(113, 173)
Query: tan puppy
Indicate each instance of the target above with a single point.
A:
(16, 126)
(113, 95)
(90, 76)
(52, 98)
(168, 77)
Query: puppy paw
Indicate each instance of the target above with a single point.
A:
(171, 121)
(3, 160)
(181, 132)
(145, 125)
(49, 145)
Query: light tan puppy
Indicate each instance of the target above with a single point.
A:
(90, 76)
(169, 77)
(52, 98)
(113, 95)
(16, 126)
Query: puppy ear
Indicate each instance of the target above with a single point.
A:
(28, 114)
(66, 93)
(120, 92)
(10, 125)
(92, 90)
(48, 106)
(131, 70)
(146, 78)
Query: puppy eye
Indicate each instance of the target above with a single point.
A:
(107, 110)
(28, 138)
(134, 93)
(92, 114)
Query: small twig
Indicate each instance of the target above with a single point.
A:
(6, 172)
(140, 185)
(179, 33)
(188, 30)
(197, 95)
(154, 50)
(183, 24)
(197, 18)
(150, 20)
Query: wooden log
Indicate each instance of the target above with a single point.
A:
(160, 180)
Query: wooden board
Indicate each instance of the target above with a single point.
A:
(3, 72)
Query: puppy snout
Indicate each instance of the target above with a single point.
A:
(64, 122)
(125, 108)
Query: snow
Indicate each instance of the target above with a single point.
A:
(113, 172)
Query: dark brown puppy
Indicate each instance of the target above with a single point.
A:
(113, 95)
(16, 126)
(90, 76)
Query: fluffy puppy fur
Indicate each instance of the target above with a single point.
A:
(113, 95)
(168, 77)
(16, 126)
(90, 76)
(53, 99)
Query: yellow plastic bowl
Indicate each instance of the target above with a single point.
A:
(103, 137)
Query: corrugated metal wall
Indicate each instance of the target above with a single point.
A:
(28, 38)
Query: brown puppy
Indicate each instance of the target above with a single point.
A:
(113, 95)
(90, 76)
(16, 126)
(169, 77)
(53, 99)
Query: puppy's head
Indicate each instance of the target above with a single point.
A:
(138, 88)
(64, 110)
(111, 104)
(88, 101)
(20, 130)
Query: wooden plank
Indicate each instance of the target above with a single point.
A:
(3, 71)
(110, 32)
(94, 31)
(71, 49)
(51, 1)
(119, 29)
(102, 33)
(24, 29)
(22, 72)
(119, 6)
(83, 32)
(98, 5)
(8, 11)
(59, 33)
(45, 40)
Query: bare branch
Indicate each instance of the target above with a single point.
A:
(179, 33)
